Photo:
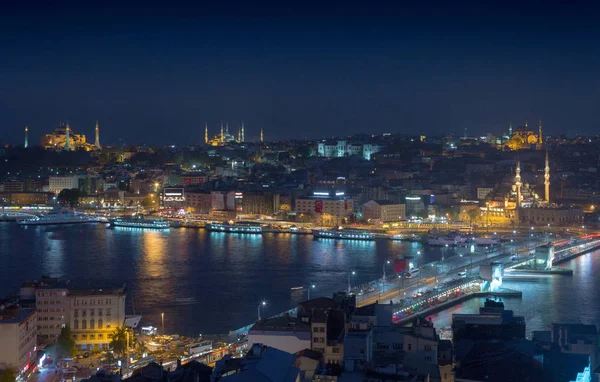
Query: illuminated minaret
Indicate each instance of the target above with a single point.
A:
(510, 129)
(525, 123)
(518, 183)
(239, 135)
(26, 140)
(97, 143)
(547, 180)
(206, 133)
(262, 137)
(68, 139)
(243, 138)
(227, 128)
(222, 133)
(540, 136)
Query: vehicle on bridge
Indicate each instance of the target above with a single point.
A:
(412, 273)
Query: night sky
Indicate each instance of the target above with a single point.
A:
(154, 75)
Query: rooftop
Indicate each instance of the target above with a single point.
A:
(14, 314)
(281, 323)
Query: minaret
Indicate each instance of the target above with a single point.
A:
(239, 135)
(547, 180)
(68, 139)
(540, 135)
(97, 143)
(206, 133)
(525, 123)
(226, 127)
(465, 133)
(510, 129)
(26, 140)
(262, 137)
(243, 138)
(222, 135)
(518, 183)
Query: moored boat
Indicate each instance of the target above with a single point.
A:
(344, 234)
(234, 228)
(139, 221)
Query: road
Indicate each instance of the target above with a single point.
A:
(438, 272)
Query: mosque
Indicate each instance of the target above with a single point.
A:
(504, 205)
(224, 137)
(523, 138)
(64, 138)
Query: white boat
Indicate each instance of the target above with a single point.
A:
(139, 221)
(398, 237)
(59, 218)
(344, 234)
(234, 228)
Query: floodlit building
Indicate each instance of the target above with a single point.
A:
(383, 211)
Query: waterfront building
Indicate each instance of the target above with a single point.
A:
(553, 215)
(64, 138)
(58, 183)
(414, 206)
(261, 363)
(327, 208)
(383, 211)
(198, 202)
(26, 198)
(18, 336)
(94, 315)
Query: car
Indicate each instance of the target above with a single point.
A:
(462, 274)
(514, 258)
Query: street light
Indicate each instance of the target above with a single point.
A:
(162, 318)
(309, 288)
(349, 287)
(263, 303)
(383, 279)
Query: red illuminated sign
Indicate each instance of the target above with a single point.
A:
(319, 206)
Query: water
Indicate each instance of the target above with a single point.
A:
(548, 299)
(229, 275)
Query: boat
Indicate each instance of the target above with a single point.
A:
(486, 241)
(343, 233)
(398, 237)
(234, 228)
(139, 221)
(297, 288)
(59, 217)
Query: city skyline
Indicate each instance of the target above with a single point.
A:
(298, 72)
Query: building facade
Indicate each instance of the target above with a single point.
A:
(18, 336)
(58, 183)
(94, 315)
(383, 211)
(326, 208)
(342, 148)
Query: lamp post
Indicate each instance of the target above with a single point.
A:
(162, 319)
(309, 288)
(263, 303)
(387, 262)
(349, 286)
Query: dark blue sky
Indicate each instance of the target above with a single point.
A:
(153, 74)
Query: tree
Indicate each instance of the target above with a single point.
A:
(8, 375)
(473, 214)
(65, 345)
(118, 340)
(70, 196)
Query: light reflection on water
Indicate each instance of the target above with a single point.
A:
(230, 274)
(549, 299)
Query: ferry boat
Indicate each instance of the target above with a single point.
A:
(139, 221)
(234, 228)
(344, 234)
(59, 218)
